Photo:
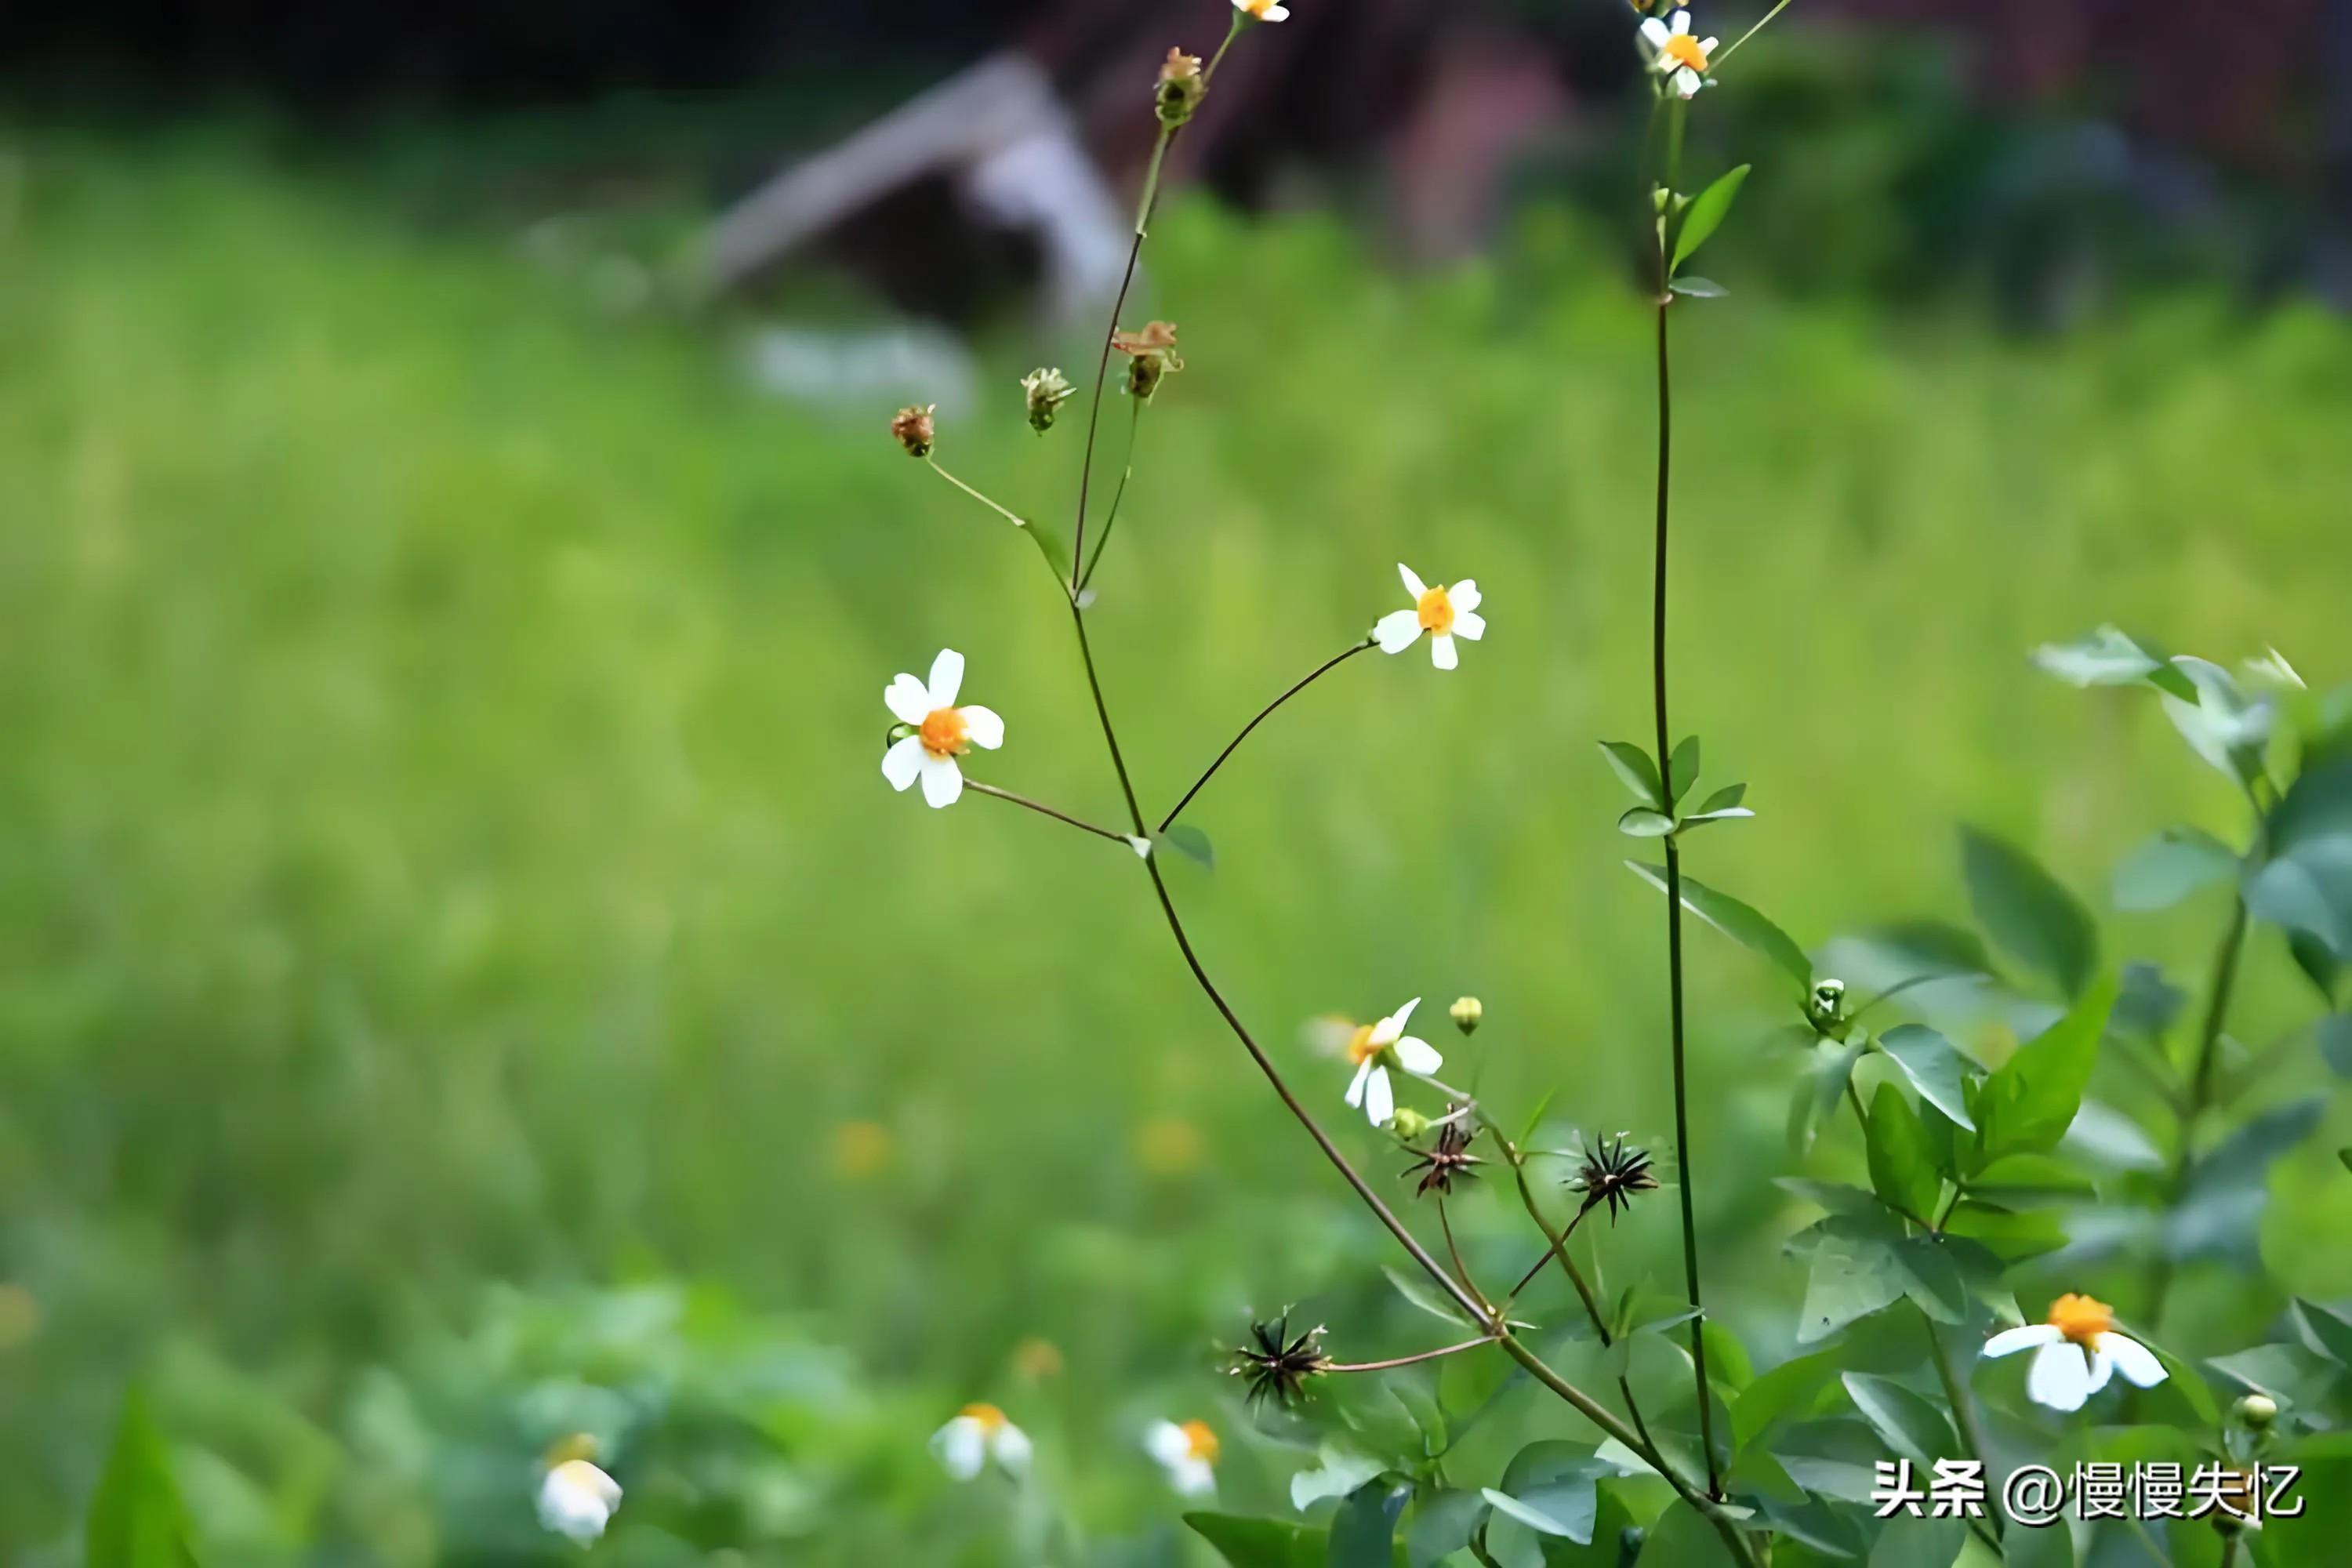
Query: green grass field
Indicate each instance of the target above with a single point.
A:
(441, 840)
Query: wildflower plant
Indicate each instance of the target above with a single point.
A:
(1985, 1178)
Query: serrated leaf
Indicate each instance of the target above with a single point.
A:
(1634, 765)
(1682, 770)
(1641, 822)
(135, 1518)
(1935, 1067)
(1363, 1533)
(1259, 1542)
(1192, 844)
(1914, 1429)
(2169, 867)
(1739, 921)
(1705, 214)
(2029, 914)
(2027, 1105)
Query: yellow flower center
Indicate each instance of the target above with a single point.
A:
(2081, 1319)
(1257, 8)
(1685, 50)
(991, 1419)
(1436, 611)
(1360, 1048)
(1202, 1440)
(945, 733)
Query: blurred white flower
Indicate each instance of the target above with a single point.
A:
(1373, 1049)
(2076, 1353)
(2273, 669)
(1444, 613)
(1675, 55)
(1188, 1452)
(576, 1499)
(1262, 10)
(943, 731)
(978, 1434)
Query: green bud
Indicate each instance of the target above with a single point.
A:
(2257, 1410)
(1466, 1012)
(1409, 1123)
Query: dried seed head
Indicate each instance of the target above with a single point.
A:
(1276, 1364)
(912, 428)
(1181, 90)
(1046, 390)
(1612, 1172)
(1448, 1160)
(1466, 1012)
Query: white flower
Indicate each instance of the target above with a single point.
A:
(1188, 1452)
(1444, 613)
(943, 731)
(576, 1499)
(1262, 10)
(1373, 1049)
(2076, 1353)
(1675, 55)
(978, 1434)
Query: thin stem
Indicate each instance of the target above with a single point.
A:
(2200, 1089)
(1964, 1412)
(1102, 361)
(1043, 809)
(1723, 55)
(1234, 744)
(1410, 1359)
(1014, 518)
(1127, 472)
(1674, 852)
(1557, 1247)
(1461, 1269)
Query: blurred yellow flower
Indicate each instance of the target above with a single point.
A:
(861, 1149)
(1168, 1146)
(1036, 1359)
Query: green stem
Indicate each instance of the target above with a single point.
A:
(1007, 513)
(2224, 982)
(1043, 809)
(1964, 1415)
(1127, 472)
(1263, 714)
(1102, 363)
(1410, 1359)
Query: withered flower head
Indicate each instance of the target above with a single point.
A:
(1181, 88)
(1046, 390)
(1448, 1160)
(1612, 1172)
(912, 426)
(1279, 1364)
(1151, 354)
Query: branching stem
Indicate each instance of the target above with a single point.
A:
(1044, 810)
(1263, 714)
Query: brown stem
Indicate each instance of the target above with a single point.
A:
(1263, 714)
(1461, 1269)
(1043, 809)
(1410, 1359)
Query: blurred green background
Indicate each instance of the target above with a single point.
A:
(463, 980)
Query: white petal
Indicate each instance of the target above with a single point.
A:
(2010, 1340)
(1441, 651)
(1363, 1077)
(2133, 1359)
(576, 1500)
(1192, 1477)
(1397, 630)
(987, 729)
(1655, 32)
(902, 761)
(1166, 1441)
(942, 780)
(1687, 82)
(1465, 596)
(1706, 45)
(946, 678)
(1470, 625)
(1413, 584)
(909, 699)
(1379, 1100)
(1009, 1446)
(2060, 1376)
(1276, 14)
(1682, 22)
(962, 1448)
(1400, 1016)
(2102, 1368)
(1416, 1055)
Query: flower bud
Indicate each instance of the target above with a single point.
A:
(1408, 1123)
(912, 428)
(2257, 1410)
(1465, 1012)
(1046, 390)
(1181, 88)
(1825, 1007)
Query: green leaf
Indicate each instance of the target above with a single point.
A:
(2016, 1176)
(1922, 1542)
(1698, 288)
(2108, 657)
(1817, 1096)
(1683, 1538)
(1853, 1274)
(1932, 1277)
(1935, 1067)
(2220, 723)
(1706, 213)
(1049, 545)
(1902, 1168)
(2327, 1331)
(2010, 1236)
(2169, 867)
(1259, 1542)
(2027, 912)
(1736, 920)
(1534, 1117)
(2336, 1043)
(1363, 1533)
(135, 1518)
(2221, 1208)
(1835, 1197)
(2306, 884)
(1701, 819)
(1543, 1521)
(1790, 1390)
(2320, 966)
(1641, 822)
(2027, 1105)
(1341, 1470)
(1914, 1429)
(1682, 768)
(1632, 765)
(1192, 844)
(1421, 1296)
(1443, 1523)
